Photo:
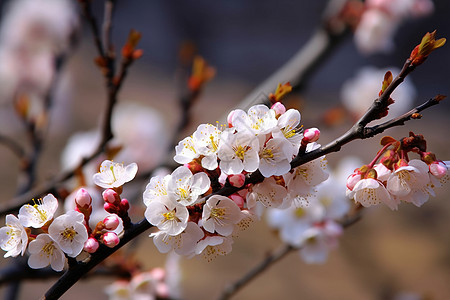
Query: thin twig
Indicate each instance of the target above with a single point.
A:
(12, 145)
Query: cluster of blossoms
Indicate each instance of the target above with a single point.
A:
(193, 218)
(315, 229)
(396, 178)
(49, 240)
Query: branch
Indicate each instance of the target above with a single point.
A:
(12, 145)
(81, 268)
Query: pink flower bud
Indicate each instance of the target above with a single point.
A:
(91, 245)
(237, 180)
(111, 208)
(311, 135)
(238, 200)
(82, 198)
(110, 239)
(352, 180)
(438, 169)
(111, 222)
(124, 205)
(111, 196)
(230, 118)
(279, 108)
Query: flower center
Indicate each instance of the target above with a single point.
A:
(267, 153)
(218, 213)
(184, 193)
(112, 171)
(69, 234)
(300, 212)
(240, 151)
(171, 216)
(213, 143)
(48, 248)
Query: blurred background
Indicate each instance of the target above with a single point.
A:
(387, 255)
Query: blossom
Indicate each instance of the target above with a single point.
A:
(409, 183)
(69, 232)
(213, 246)
(168, 216)
(118, 290)
(183, 243)
(275, 157)
(288, 127)
(185, 187)
(45, 251)
(113, 175)
(13, 237)
(268, 193)
(370, 192)
(156, 189)
(259, 120)
(38, 214)
(318, 240)
(220, 214)
(186, 151)
(238, 152)
(143, 286)
(207, 138)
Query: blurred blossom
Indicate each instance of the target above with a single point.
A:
(33, 33)
(358, 93)
(381, 19)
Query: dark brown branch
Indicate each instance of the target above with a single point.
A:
(12, 145)
(78, 271)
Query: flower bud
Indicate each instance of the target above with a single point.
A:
(352, 180)
(82, 198)
(279, 108)
(91, 245)
(111, 208)
(237, 180)
(111, 222)
(111, 196)
(230, 118)
(110, 239)
(438, 169)
(311, 135)
(124, 205)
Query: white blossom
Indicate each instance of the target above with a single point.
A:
(168, 216)
(207, 139)
(13, 237)
(69, 232)
(259, 120)
(183, 243)
(156, 189)
(275, 157)
(45, 251)
(238, 152)
(288, 127)
(113, 175)
(220, 214)
(186, 151)
(410, 183)
(38, 214)
(213, 246)
(185, 187)
(370, 192)
(268, 193)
